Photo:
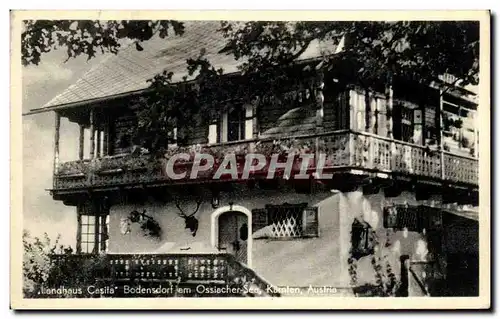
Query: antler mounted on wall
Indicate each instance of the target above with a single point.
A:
(191, 222)
(149, 225)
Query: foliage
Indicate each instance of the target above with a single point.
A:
(149, 226)
(370, 54)
(48, 264)
(87, 37)
(386, 283)
(37, 262)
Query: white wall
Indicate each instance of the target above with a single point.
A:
(283, 262)
(302, 262)
(369, 208)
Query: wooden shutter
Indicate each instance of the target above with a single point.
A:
(310, 222)
(259, 219)
(396, 120)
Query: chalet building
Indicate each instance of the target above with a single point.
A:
(404, 184)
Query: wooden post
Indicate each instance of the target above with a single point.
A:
(81, 142)
(440, 132)
(368, 111)
(424, 131)
(389, 95)
(255, 104)
(404, 287)
(320, 100)
(98, 142)
(389, 105)
(97, 228)
(105, 150)
(79, 230)
(92, 134)
(56, 141)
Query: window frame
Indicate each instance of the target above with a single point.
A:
(93, 229)
(308, 228)
(245, 123)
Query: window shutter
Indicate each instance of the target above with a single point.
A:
(310, 222)
(259, 219)
(396, 120)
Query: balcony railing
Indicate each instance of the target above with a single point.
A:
(186, 271)
(343, 150)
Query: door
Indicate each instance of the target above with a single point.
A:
(233, 235)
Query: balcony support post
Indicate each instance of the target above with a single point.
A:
(320, 100)
(56, 141)
(79, 231)
(96, 213)
(105, 148)
(92, 133)
(81, 142)
(98, 142)
(389, 96)
(440, 133)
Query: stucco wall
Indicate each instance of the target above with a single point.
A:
(369, 208)
(299, 262)
(284, 262)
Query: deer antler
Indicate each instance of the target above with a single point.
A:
(183, 214)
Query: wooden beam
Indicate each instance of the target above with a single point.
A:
(56, 141)
(440, 131)
(389, 95)
(98, 143)
(320, 100)
(79, 231)
(92, 133)
(97, 227)
(368, 111)
(106, 137)
(81, 142)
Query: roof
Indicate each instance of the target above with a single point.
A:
(129, 70)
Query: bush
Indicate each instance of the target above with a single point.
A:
(48, 264)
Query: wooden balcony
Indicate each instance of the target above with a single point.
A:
(344, 151)
(182, 272)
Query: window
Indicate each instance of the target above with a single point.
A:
(285, 221)
(459, 129)
(413, 218)
(93, 230)
(372, 117)
(88, 234)
(407, 122)
(236, 124)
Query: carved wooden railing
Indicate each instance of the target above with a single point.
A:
(195, 274)
(343, 149)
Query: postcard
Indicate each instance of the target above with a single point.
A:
(250, 160)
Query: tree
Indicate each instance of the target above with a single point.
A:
(372, 54)
(36, 261)
(87, 37)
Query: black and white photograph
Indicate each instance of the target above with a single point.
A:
(253, 158)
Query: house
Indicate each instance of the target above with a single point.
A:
(396, 161)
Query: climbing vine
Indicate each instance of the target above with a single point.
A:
(386, 283)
